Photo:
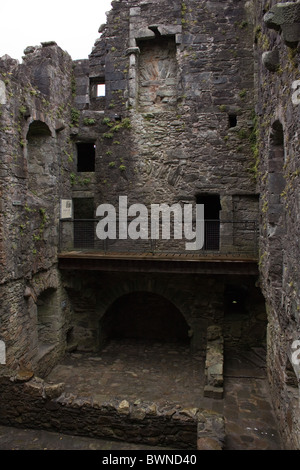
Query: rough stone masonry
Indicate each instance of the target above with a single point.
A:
(178, 102)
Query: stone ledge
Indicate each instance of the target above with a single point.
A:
(213, 392)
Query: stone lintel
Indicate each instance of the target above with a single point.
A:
(163, 30)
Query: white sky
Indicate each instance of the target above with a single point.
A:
(72, 24)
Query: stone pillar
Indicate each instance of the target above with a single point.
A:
(133, 53)
(226, 225)
(214, 363)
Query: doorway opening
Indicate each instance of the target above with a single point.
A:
(212, 207)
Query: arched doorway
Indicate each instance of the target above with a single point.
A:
(143, 316)
(41, 158)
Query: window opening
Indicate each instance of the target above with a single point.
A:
(86, 153)
(232, 119)
(212, 209)
(100, 90)
(97, 93)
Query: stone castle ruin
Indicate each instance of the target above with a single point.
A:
(182, 102)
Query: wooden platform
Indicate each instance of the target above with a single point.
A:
(208, 263)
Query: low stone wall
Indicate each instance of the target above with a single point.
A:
(38, 405)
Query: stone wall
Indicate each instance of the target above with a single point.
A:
(277, 37)
(177, 116)
(181, 118)
(177, 121)
(201, 301)
(36, 163)
(37, 404)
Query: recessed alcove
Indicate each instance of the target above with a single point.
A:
(157, 88)
(144, 316)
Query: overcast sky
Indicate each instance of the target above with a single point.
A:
(73, 24)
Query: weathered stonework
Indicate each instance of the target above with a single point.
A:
(41, 405)
(278, 163)
(285, 18)
(178, 102)
(35, 115)
(214, 363)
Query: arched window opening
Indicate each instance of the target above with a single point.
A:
(38, 128)
(41, 157)
(277, 136)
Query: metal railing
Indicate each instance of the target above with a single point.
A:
(224, 237)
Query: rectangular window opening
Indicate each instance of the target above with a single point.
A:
(100, 91)
(232, 119)
(86, 156)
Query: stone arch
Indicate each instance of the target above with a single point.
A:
(144, 316)
(38, 128)
(107, 297)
